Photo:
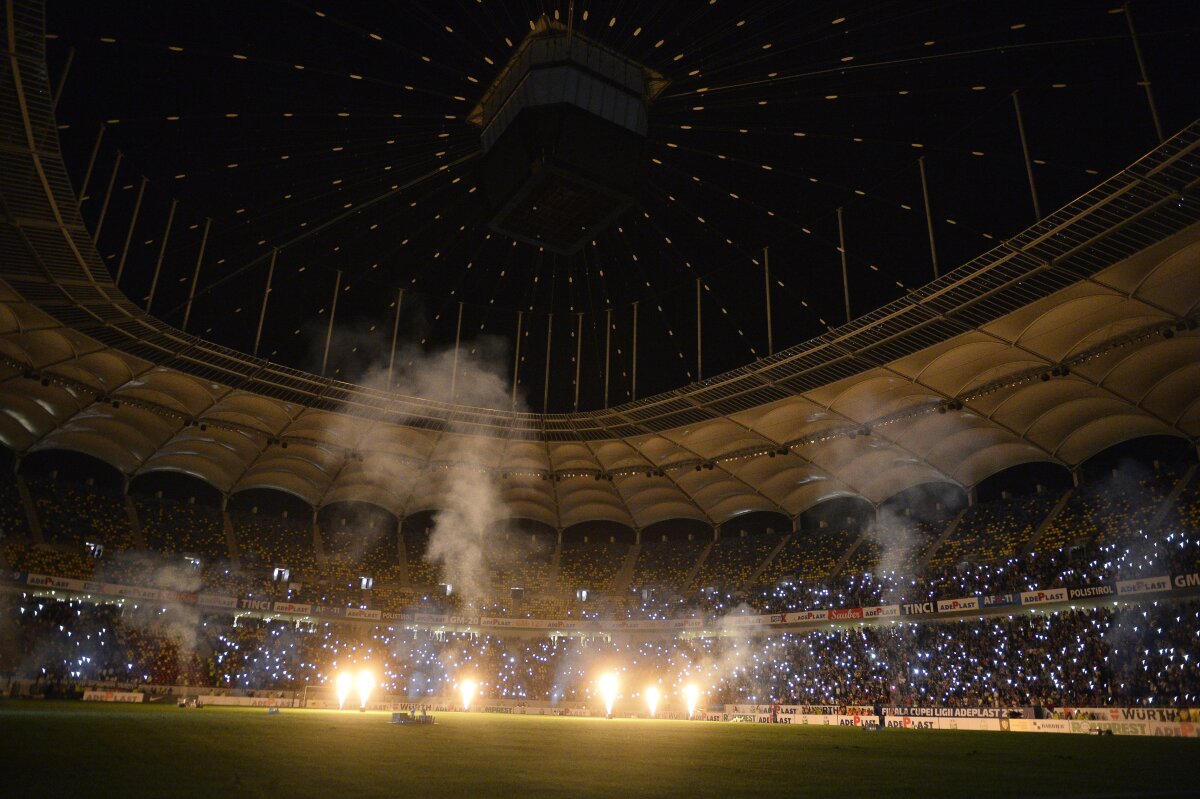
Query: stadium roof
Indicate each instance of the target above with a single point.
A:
(1071, 336)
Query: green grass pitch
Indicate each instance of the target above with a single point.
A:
(69, 749)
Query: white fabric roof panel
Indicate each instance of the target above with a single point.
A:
(166, 420)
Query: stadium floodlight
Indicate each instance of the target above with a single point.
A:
(652, 699)
(345, 681)
(365, 682)
(691, 693)
(608, 689)
(468, 689)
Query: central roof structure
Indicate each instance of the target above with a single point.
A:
(563, 128)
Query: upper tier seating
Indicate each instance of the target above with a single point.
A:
(182, 528)
(666, 562)
(733, 559)
(75, 513)
(273, 541)
(810, 554)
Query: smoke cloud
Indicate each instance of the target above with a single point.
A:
(895, 537)
(470, 506)
(182, 624)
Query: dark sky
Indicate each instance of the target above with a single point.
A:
(807, 107)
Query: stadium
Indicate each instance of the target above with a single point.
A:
(599, 399)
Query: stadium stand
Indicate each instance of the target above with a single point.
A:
(14, 525)
(985, 554)
(733, 559)
(170, 526)
(810, 554)
(368, 549)
(54, 560)
(273, 541)
(1113, 508)
(420, 571)
(994, 531)
(1183, 512)
(591, 565)
(1092, 657)
(666, 563)
(75, 513)
(895, 546)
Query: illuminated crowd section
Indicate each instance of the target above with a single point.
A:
(1104, 531)
(1129, 655)
(378, 626)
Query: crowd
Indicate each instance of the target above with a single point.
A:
(77, 514)
(1133, 655)
(994, 531)
(591, 564)
(274, 541)
(733, 560)
(1108, 510)
(809, 554)
(360, 557)
(174, 527)
(667, 562)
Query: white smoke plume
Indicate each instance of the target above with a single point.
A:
(461, 475)
(895, 537)
(181, 623)
(731, 653)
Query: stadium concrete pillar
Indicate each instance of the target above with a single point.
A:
(1075, 477)
(560, 532)
(796, 523)
(972, 497)
(578, 358)
(517, 361)
(262, 311)
(699, 336)
(637, 536)
(633, 372)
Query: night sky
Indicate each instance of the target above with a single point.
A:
(274, 118)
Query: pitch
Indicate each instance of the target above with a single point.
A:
(73, 749)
